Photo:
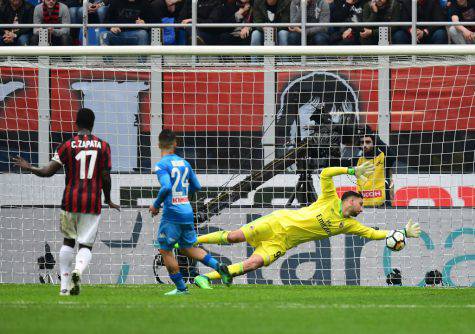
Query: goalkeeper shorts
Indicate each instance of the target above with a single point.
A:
(267, 237)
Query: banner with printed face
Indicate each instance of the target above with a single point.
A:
(219, 115)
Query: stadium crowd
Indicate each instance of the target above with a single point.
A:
(119, 12)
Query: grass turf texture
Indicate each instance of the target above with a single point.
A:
(116, 309)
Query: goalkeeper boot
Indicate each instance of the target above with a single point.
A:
(203, 282)
(177, 292)
(226, 277)
(76, 280)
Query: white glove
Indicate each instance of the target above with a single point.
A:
(363, 171)
(413, 230)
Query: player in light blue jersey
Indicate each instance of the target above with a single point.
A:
(178, 181)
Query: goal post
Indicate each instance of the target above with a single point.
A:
(270, 50)
(258, 135)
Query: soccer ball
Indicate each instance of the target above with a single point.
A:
(395, 240)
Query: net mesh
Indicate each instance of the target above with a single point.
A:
(257, 134)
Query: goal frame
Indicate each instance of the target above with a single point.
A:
(208, 50)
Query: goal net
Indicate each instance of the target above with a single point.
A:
(258, 135)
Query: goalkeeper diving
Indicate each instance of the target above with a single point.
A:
(272, 235)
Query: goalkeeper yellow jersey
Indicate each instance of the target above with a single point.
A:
(323, 218)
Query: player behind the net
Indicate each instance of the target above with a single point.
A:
(87, 163)
(178, 181)
(272, 235)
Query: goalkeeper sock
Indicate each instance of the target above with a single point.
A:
(219, 238)
(178, 280)
(210, 261)
(83, 258)
(66, 255)
(235, 269)
(213, 275)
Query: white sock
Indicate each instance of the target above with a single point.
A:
(66, 255)
(83, 258)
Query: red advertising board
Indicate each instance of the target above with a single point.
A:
(422, 99)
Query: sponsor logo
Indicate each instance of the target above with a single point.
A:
(341, 225)
(178, 163)
(371, 193)
(180, 200)
(324, 224)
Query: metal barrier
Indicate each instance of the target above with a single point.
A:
(194, 25)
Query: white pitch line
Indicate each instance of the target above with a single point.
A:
(79, 305)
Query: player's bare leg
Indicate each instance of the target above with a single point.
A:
(174, 271)
(205, 258)
(66, 255)
(83, 258)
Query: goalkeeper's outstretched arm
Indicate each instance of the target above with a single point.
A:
(327, 185)
(366, 232)
(412, 230)
(326, 181)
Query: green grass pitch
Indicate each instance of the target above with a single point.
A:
(113, 309)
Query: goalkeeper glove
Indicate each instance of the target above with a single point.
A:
(364, 170)
(412, 230)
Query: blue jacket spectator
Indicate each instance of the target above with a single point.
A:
(168, 11)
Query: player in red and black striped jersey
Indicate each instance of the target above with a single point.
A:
(87, 163)
(85, 158)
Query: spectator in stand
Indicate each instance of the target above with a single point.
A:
(168, 11)
(96, 10)
(127, 12)
(444, 5)
(209, 11)
(378, 189)
(167, 8)
(271, 11)
(379, 11)
(346, 11)
(15, 12)
(52, 12)
(318, 11)
(73, 7)
(236, 11)
(462, 11)
(427, 11)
